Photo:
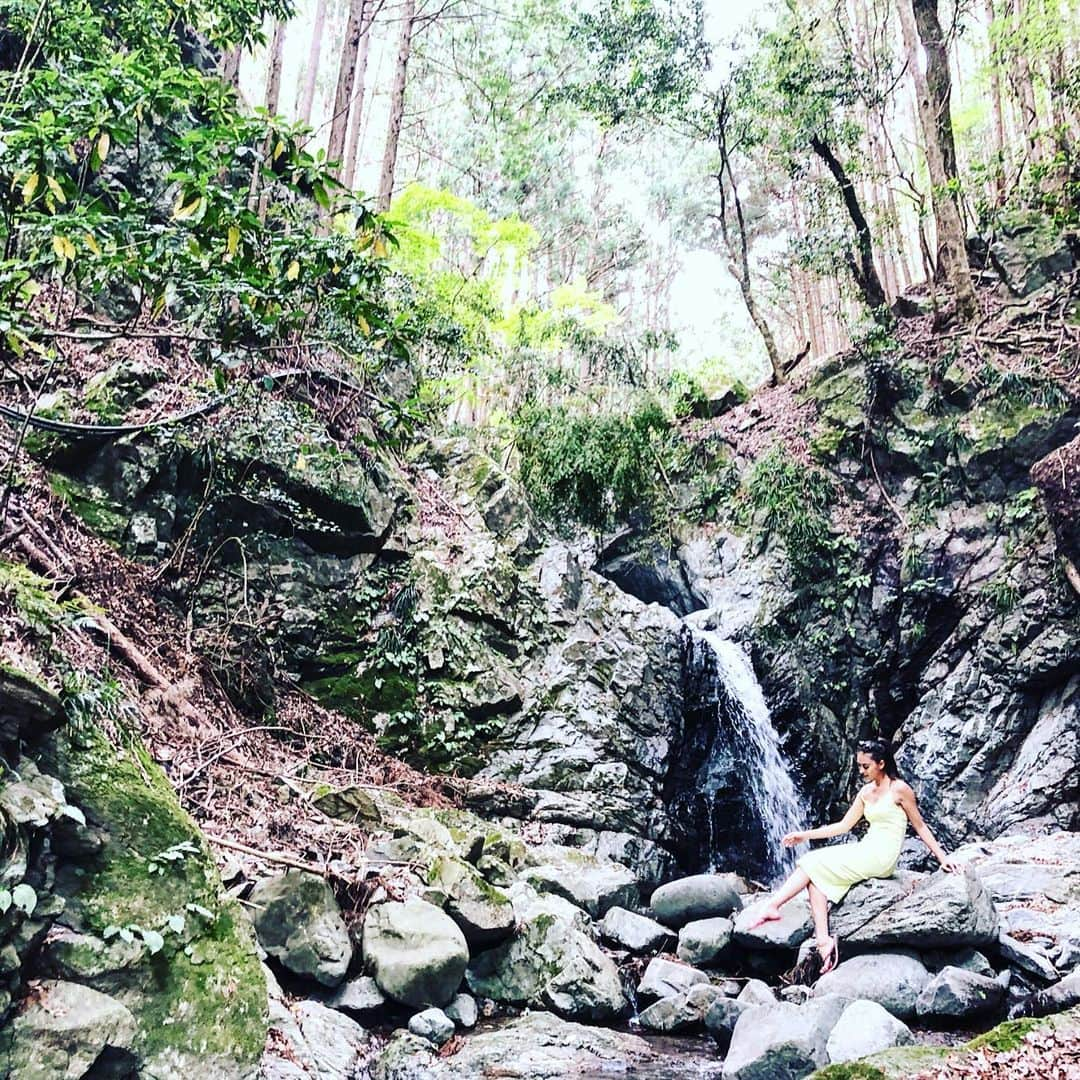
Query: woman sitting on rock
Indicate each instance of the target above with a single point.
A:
(888, 804)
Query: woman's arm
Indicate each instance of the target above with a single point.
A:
(838, 828)
(906, 798)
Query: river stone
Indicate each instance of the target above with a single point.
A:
(924, 911)
(61, 1031)
(463, 1011)
(589, 882)
(756, 992)
(552, 963)
(665, 978)
(433, 1025)
(634, 932)
(722, 1016)
(955, 993)
(702, 896)
(681, 1012)
(359, 995)
(484, 912)
(793, 927)
(535, 1046)
(782, 1041)
(416, 952)
(893, 980)
(864, 1028)
(333, 1045)
(702, 942)
(299, 923)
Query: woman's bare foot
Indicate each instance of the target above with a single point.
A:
(770, 914)
(829, 950)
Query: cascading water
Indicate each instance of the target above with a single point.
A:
(741, 799)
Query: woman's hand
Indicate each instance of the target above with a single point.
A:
(950, 866)
(794, 838)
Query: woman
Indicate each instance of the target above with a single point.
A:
(827, 873)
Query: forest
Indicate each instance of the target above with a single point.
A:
(474, 475)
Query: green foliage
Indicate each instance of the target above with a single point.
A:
(33, 598)
(595, 468)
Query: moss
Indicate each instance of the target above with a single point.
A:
(1006, 1036)
(90, 504)
(202, 998)
(852, 1070)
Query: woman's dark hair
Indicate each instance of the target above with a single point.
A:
(880, 750)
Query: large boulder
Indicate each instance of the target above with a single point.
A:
(893, 980)
(702, 896)
(551, 963)
(788, 932)
(311, 1042)
(703, 941)
(61, 1031)
(954, 993)
(918, 910)
(634, 932)
(416, 952)
(782, 1041)
(665, 978)
(484, 912)
(591, 883)
(865, 1027)
(299, 924)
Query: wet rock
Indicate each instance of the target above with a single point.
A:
(484, 912)
(551, 963)
(634, 932)
(433, 1025)
(703, 941)
(864, 1028)
(788, 932)
(702, 896)
(416, 952)
(591, 883)
(682, 1012)
(893, 980)
(62, 1029)
(782, 1041)
(665, 978)
(299, 923)
(954, 992)
(463, 1011)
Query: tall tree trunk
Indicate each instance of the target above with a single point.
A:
(997, 127)
(863, 269)
(397, 106)
(229, 66)
(273, 75)
(307, 95)
(1023, 86)
(356, 114)
(339, 122)
(938, 79)
(952, 250)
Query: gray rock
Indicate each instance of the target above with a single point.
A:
(865, 1028)
(782, 1041)
(923, 911)
(893, 980)
(1029, 252)
(722, 1016)
(755, 992)
(535, 1046)
(484, 912)
(433, 1025)
(333, 1045)
(1027, 958)
(683, 1012)
(635, 932)
(954, 992)
(788, 932)
(28, 709)
(1057, 998)
(359, 995)
(591, 883)
(645, 859)
(61, 1030)
(968, 959)
(665, 978)
(416, 952)
(702, 896)
(703, 941)
(551, 963)
(299, 923)
(463, 1011)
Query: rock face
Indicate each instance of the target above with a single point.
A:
(299, 923)
(63, 1030)
(703, 896)
(893, 980)
(551, 963)
(865, 1028)
(415, 952)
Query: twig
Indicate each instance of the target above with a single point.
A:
(270, 856)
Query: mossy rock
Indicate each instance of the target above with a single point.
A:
(92, 505)
(841, 397)
(200, 1000)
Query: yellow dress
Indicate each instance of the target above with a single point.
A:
(836, 868)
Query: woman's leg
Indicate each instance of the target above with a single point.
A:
(794, 885)
(826, 943)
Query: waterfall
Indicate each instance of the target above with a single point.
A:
(744, 743)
